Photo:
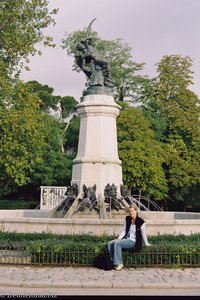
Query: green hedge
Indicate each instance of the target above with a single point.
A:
(156, 240)
(47, 248)
(18, 204)
(80, 253)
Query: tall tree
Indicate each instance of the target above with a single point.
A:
(171, 100)
(35, 146)
(21, 138)
(118, 55)
(45, 93)
(22, 24)
(21, 120)
(61, 131)
(142, 156)
(63, 109)
(55, 167)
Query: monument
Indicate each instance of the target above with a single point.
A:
(97, 171)
(97, 162)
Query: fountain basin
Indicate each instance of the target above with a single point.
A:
(30, 221)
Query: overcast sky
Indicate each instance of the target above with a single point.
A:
(152, 28)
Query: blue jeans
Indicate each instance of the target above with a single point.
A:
(115, 249)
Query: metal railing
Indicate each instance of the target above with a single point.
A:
(144, 203)
(163, 259)
(77, 256)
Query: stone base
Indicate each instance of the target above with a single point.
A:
(99, 173)
(97, 162)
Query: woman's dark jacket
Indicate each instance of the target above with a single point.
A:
(138, 223)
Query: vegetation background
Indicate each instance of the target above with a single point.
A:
(158, 126)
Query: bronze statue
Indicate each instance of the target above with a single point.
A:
(93, 65)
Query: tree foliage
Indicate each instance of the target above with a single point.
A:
(63, 109)
(71, 136)
(177, 124)
(22, 24)
(45, 93)
(68, 106)
(159, 143)
(142, 156)
(32, 141)
(21, 120)
(55, 166)
(21, 137)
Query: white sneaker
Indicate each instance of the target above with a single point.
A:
(119, 267)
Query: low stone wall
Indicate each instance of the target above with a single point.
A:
(27, 213)
(95, 226)
(146, 215)
(158, 222)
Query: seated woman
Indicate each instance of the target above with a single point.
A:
(133, 232)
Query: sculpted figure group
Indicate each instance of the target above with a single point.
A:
(92, 63)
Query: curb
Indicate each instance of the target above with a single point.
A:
(111, 285)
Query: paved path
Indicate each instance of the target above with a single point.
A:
(89, 280)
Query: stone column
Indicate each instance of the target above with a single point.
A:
(97, 160)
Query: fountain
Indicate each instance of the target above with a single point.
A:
(97, 171)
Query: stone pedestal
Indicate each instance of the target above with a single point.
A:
(97, 160)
